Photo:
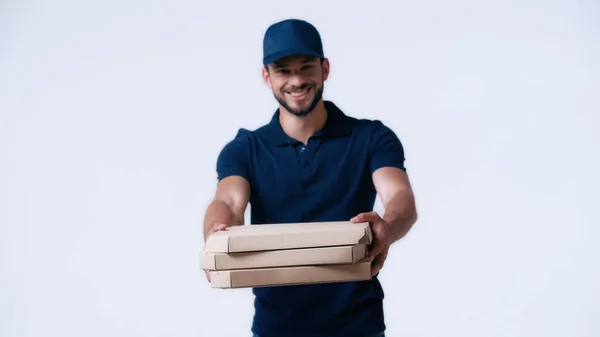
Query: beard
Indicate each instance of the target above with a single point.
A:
(302, 111)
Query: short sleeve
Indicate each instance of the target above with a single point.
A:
(233, 160)
(385, 148)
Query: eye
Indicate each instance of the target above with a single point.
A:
(283, 71)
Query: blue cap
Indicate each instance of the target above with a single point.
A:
(291, 37)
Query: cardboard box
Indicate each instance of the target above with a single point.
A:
(360, 271)
(283, 258)
(250, 238)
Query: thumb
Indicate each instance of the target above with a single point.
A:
(219, 227)
(215, 228)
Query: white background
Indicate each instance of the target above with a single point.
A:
(112, 114)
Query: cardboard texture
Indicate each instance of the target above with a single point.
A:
(250, 238)
(283, 258)
(360, 271)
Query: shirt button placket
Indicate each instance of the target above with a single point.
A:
(304, 155)
(307, 152)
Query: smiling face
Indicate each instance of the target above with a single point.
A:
(297, 82)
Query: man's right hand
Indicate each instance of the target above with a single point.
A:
(215, 228)
(228, 206)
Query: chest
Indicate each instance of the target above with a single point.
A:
(305, 181)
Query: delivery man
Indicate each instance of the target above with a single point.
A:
(312, 162)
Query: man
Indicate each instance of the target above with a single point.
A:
(312, 162)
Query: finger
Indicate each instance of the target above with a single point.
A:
(207, 275)
(379, 262)
(364, 217)
(215, 228)
(219, 226)
(375, 249)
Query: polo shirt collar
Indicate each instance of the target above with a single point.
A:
(337, 124)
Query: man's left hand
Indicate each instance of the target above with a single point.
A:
(381, 239)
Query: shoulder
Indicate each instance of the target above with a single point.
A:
(240, 142)
(234, 158)
(359, 124)
(246, 137)
(372, 130)
(371, 126)
(383, 145)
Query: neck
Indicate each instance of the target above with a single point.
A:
(302, 128)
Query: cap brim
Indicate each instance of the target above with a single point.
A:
(289, 52)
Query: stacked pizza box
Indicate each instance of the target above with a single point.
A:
(287, 254)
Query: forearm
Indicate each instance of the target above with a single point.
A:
(219, 212)
(401, 214)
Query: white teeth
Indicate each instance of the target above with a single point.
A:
(298, 93)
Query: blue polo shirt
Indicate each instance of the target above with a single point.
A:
(328, 179)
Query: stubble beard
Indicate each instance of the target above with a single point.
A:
(302, 112)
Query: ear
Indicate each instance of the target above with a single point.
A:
(325, 67)
(266, 77)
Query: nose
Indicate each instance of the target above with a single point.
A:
(297, 81)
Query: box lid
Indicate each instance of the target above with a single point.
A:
(262, 277)
(285, 257)
(288, 236)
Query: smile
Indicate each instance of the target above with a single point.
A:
(299, 94)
